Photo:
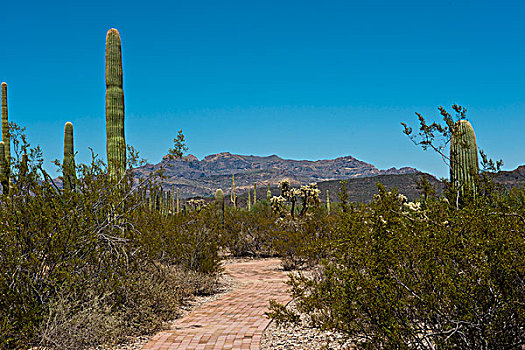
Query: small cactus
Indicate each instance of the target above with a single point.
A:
(115, 140)
(68, 166)
(463, 158)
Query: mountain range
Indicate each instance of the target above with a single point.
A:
(201, 178)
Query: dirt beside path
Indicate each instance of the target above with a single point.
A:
(234, 321)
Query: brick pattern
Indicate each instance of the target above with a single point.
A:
(236, 321)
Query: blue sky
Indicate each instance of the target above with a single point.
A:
(300, 79)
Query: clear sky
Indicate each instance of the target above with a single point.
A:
(300, 79)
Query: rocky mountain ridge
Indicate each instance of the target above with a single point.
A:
(196, 177)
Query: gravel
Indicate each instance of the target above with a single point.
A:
(302, 336)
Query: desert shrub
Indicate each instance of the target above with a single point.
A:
(96, 262)
(304, 242)
(190, 240)
(250, 233)
(423, 275)
(264, 232)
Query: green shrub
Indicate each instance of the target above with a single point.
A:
(95, 265)
(411, 276)
(250, 233)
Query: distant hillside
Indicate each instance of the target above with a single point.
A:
(363, 189)
(202, 177)
(510, 179)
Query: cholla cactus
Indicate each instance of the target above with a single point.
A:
(401, 198)
(290, 194)
(310, 196)
(285, 188)
(196, 204)
(277, 204)
(413, 206)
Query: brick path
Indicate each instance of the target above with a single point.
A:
(235, 321)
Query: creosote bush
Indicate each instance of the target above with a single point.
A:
(423, 275)
(95, 265)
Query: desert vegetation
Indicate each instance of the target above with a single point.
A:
(103, 255)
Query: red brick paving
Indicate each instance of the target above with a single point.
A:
(235, 321)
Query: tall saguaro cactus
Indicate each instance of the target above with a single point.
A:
(463, 158)
(115, 140)
(68, 166)
(233, 194)
(5, 128)
(328, 201)
(178, 202)
(4, 181)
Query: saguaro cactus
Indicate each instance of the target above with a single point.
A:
(68, 166)
(463, 158)
(249, 200)
(115, 140)
(233, 195)
(3, 170)
(268, 193)
(328, 202)
(178, 202)
(5, 129)
(219, 199)
(254, 193)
